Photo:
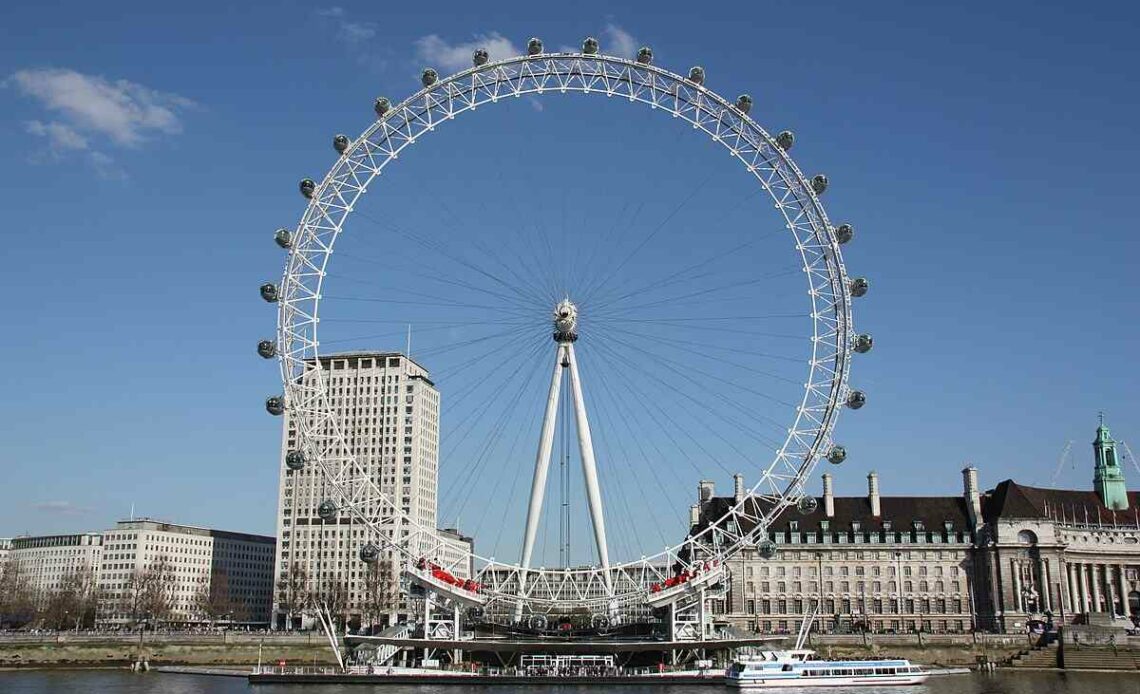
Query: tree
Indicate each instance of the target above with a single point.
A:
(380, 592)
(332, 594)
(292, 591)
(150, 593)
(73, 602)
(17, 599)
(213, 599)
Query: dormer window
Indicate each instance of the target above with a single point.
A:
(887, 525)
(856, 526)
(918, 525)
(949, 526)
(794, 526)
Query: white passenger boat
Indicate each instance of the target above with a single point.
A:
(799, 667)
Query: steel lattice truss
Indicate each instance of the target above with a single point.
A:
(380, 145)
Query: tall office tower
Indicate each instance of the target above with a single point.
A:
(388, 411)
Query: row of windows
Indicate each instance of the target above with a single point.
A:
(860, 586)
(876, 570)
(898, 626)
(859, 606)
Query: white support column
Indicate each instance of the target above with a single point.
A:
(542, 460)
(1094, 573)
(1047, 585)
(1071, 596)
(589, 467)
(1083, 582)
(1125, 608)
(1015, 571)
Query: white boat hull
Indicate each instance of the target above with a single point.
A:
(777, 682)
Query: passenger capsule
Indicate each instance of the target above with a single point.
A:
(429, 77)
(275, 405)
(369, 553)
(382, 106)
(766, 549)
(807, 505)
(340, 143)
(785, 140)
(859, 286)
(856, 399)
(836, 455)
(744, 103)
(327, 510)
(267, 349)
(308, 187)
(864, 343)
(697, 74)
(533, 47)
(844, 233)
(590, 45)
(283, 238)
(269, 292)
(819, 183)
(295, 460)
(645, 55)
(479, 57)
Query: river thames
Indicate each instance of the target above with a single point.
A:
(106, 682)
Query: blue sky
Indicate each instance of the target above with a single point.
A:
(985, 152)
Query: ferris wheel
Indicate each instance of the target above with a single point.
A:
(553, 317)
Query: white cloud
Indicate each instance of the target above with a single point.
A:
(618, 42)
(124, 112)
(450, 57)
(66, 508)
(60, 137)
(355, 36)
(348, 31)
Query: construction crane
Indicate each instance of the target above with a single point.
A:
(1066, 454)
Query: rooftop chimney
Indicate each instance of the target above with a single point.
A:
(873, 493)
(738, 488)
(971, 494)
(694, 516)
(706, 490)
(828, 496)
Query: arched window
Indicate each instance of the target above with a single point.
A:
(1027, 537)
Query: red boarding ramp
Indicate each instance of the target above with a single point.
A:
(671, 594)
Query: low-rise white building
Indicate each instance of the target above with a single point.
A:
(45, 561)
(191, 574)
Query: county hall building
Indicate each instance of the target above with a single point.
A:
(990, 560)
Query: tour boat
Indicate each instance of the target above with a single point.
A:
(800, 668)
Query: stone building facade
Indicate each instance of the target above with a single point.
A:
(884, 564)
(996, 560)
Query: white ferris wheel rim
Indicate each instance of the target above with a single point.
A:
(808, 438)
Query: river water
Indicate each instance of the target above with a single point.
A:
(113, 681)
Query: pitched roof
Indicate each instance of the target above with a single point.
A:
(1012, 500)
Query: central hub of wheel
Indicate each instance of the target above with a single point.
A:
(565, 321)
